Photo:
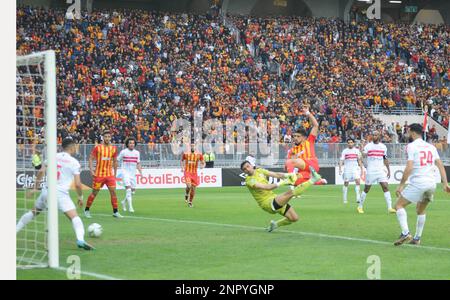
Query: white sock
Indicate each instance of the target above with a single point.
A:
(387, 197)
(24, 220)
(403, 220)
(419, 226)
(78, 227)
(129, 199)
(358, 195)
(344, 191)
(362, 199)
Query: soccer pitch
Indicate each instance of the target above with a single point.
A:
(224, 237)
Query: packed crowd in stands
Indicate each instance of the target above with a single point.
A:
(135, 72)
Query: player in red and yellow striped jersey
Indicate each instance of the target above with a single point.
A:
(105, 172)
(189, 164)
(302, 155)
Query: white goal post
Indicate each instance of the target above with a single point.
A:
(38, 245)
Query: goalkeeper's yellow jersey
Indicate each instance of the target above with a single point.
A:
(261, 196)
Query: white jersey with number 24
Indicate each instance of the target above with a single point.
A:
(423, 155)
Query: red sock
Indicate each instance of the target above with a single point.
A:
(90, 200)
(191, 196)
(114, 202)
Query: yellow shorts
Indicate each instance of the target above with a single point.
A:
(269, 207)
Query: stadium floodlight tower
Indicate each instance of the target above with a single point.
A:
(37, 244)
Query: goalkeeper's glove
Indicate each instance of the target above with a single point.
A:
(291, 178)
(282, 183)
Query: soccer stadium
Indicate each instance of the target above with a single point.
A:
(232, 139)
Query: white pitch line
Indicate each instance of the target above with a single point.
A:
(339, 198)
(323, 235)
(92, 274)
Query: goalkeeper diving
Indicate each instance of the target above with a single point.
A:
(258, 184)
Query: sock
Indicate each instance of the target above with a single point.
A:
(362, 199)
(129, 198)
(186, 194)
(191, 196)
(283, 222)
(78, 227)
(24, 220)
(114, 203)
(299, 189)
(419, 226)
(89, 202)
(403, 220)
(344, 190)
(357, 191)
(387, 197)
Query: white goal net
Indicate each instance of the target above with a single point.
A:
(37, 241)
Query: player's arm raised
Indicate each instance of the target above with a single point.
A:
(444, 181)
(313, 121)
(406, 173)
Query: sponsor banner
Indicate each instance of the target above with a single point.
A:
(26, 180)
(396, 175)
(235, 177)
(164, 178)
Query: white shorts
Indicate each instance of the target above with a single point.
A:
(65, 203)
(373, 178)
(129, 180)
(351, 175)
(414, 193)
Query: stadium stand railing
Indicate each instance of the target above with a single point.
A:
(405, 111)
(162, 155)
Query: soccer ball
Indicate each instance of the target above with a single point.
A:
(95, 230)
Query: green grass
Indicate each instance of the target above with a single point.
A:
(154, 245)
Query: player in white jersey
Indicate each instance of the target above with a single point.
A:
(68, 171)
(422, 157)
(376, 153)
(131, 160)
(351, 156)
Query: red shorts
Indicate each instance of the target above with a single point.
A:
(98, 182)
(191, 178)
(305, 173)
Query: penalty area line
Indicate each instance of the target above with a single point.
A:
(92, 274)
(315, 234)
